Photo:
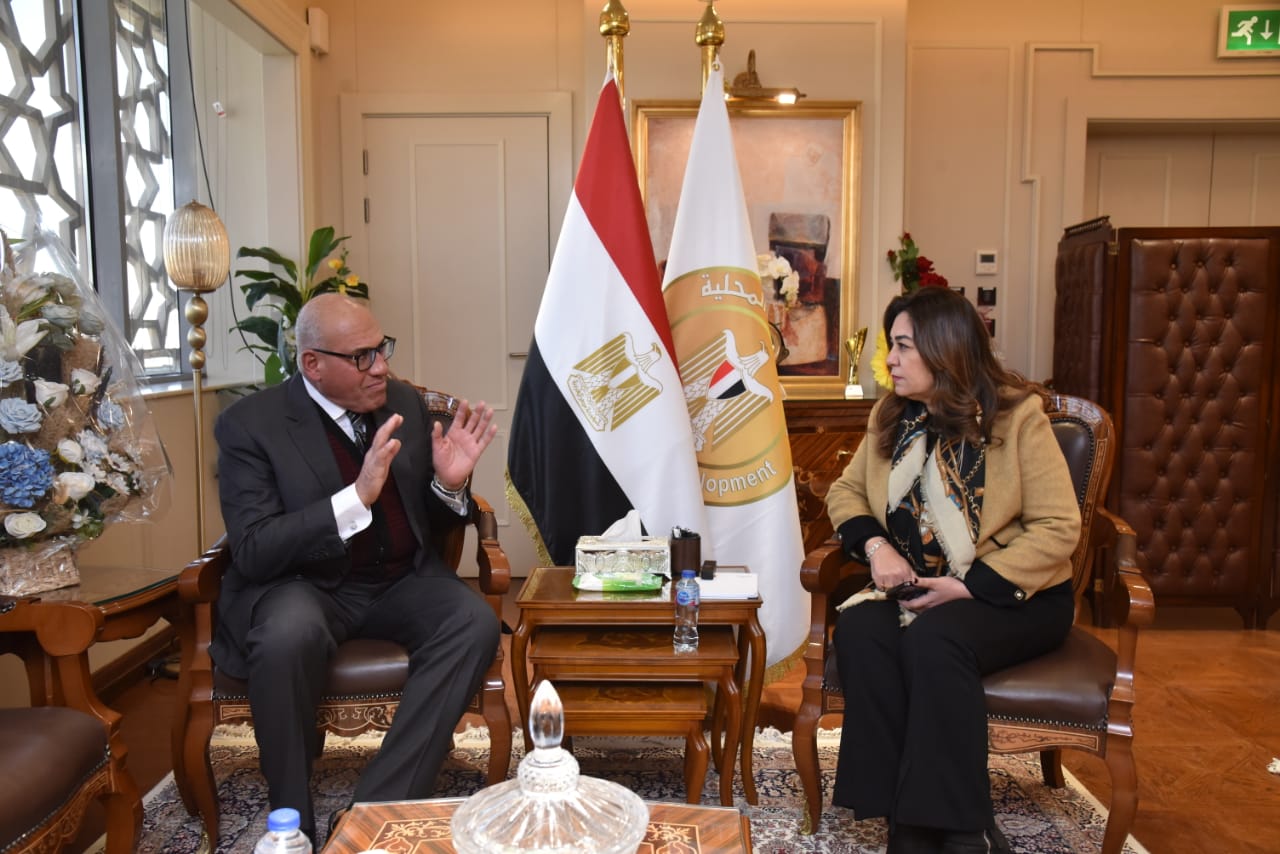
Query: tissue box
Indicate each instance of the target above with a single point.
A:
(601, 557)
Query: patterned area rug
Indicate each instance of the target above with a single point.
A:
(1034, 817)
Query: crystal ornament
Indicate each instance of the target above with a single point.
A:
(550, 807)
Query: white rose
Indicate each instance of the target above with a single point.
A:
(50, 395)
(84, 382)
(23, 525)
(70, 451)
(76, 484)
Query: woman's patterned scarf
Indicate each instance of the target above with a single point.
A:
(935, 497)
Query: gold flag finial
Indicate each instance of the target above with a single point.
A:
(709, 36)
(615, 23)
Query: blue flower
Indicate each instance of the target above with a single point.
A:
(18, 416)
(25, 474)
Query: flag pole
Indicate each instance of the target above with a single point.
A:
(615, 23)
(709, 36)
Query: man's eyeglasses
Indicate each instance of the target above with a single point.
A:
(364, 359)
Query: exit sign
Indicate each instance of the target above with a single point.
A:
(1249, 31)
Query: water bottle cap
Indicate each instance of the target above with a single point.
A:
(688, 573)
(285, 818)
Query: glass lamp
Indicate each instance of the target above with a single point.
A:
(550, 808)
(197, 257)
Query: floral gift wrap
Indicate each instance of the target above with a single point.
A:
(78, 450)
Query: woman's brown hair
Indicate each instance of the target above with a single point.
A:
(971, 387)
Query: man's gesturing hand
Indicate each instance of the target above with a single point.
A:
(377, 461)
(454, 454)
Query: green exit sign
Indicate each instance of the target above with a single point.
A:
(1248, 31)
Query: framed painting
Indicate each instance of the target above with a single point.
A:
(800, 175)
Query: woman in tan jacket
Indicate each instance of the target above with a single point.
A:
(960, 501)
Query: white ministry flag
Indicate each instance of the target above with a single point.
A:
(717, 311)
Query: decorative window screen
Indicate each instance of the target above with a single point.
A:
(45, 146)
(146, 153)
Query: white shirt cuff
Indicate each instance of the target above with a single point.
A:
(456, 501)
(350, 513)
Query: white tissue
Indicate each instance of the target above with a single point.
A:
(625, 529)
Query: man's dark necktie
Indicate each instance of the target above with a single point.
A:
(360, 429)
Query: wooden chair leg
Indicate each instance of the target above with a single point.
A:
(197, 781)
(123, 804)
(804, 748)
(1124, 793)
(493, 706)
(1051, 768)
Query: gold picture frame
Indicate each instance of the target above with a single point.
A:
(800, 176)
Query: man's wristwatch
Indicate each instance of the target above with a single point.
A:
(455, 494)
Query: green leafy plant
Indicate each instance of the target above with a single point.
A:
(276, 295)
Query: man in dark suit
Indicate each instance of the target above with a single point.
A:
(331, 484)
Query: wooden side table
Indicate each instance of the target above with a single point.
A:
(423, 828)
(548, 599)
(644, 654)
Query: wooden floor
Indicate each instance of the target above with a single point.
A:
(1207, 723)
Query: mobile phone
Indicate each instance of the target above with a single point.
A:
(906, 591)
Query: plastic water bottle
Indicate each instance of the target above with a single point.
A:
(688, 598)
(283, 835)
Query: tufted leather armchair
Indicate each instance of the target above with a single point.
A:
(1078, 696)
(56, 759)
(365, 678)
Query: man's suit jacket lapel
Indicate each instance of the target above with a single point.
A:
(407, 467)
(307, 431)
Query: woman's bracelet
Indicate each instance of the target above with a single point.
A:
(870, 550)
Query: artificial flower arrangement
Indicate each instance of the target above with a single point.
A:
(78, 450)
(915, 271)
(279, 296)
(777, 270)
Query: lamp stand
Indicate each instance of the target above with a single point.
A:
(197, 313)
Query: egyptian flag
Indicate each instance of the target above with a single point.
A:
(716, 308)
(600, 425)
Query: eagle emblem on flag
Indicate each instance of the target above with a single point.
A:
(721, 389)
(613, 383)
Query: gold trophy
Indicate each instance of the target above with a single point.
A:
(854, 345)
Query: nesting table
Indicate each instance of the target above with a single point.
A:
(609, 642)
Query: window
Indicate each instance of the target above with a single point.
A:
(89, 156)
(102, 157)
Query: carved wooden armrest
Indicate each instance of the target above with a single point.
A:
(64, 631)
(201, 580)
(61, 628)
(1135, 608)
(495, 569)
(821, 574)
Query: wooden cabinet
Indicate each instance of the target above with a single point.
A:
(1174, 331)
(824, 434)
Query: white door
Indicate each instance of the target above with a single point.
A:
(456, 249)
(1183, 177)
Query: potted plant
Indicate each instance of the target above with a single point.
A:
(277, 294)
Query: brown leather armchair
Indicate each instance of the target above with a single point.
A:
(56, 757)
(1079, 696)
(365, 678)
